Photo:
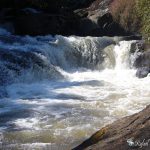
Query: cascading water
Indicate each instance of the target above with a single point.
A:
(57, 91)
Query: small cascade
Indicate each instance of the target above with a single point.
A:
(27, 59)
(122, 54)
(57, 88)
(39, 58)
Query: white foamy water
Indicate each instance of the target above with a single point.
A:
(60, 114)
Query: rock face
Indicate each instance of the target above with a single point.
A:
(131, 132)
(65, 17)
(143, 64)
(50, 5)
(98, 13)
(142, 72)
(41, 23)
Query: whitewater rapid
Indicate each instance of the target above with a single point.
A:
(66, 89)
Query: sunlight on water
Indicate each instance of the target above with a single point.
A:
(59, 114)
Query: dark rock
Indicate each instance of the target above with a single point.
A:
(82, 13)
(44, 23)
(65, 17)
(50, 5)
(87, 27)
(74, 4)
(99, 21)
(15, 63)
(146, 46)
(36, 24)
(142, 72)
(143, 60)
(142, 63)
(99, 24)
(122, 134)
(133, 37)
(99, 4)
(110, 27)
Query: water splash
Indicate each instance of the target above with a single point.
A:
(97, 85)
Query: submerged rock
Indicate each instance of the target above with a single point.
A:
(132, 132)
(24, 66)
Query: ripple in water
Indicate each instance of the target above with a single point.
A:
(60, 114)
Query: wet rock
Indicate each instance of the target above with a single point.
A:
(132, 132)
(42, 23)
(143, 60)
(36, 24)
(133, 37)
(101, 21)
(142, 63)
(82, 13)
(45, 4)
(142, 72)
(99, 4)
(15, 64)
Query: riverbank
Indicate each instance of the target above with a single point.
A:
(68, 68)
(132, 132)
(56, 91)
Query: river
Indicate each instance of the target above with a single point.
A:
(57, 91)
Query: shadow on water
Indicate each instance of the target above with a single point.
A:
(23, 103)
(37, 100)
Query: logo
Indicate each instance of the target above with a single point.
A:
(138, 143)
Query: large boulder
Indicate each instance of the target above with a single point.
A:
(15, 63)
(49, 5)
(96, 20)
(65, 17)
(142, 72)
(132, 132)
(142, 64)
(33, 22)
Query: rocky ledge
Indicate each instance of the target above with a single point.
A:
(142, 64)
(132, 132)
(65, 17)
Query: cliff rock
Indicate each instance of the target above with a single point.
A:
(132, 132)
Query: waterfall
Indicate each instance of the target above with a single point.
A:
(27, 59)
(122, 55)
(57, 88)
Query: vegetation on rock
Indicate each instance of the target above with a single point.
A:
(116, 135)
(84, 17)
(123, 13)
(133, 15)
(143, 11)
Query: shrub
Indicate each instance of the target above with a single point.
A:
(133, 15)
(143, 10)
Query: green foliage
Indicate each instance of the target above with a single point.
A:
(143, 10)
(133, 15)
(123, 12)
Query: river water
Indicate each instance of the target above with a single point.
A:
(57, 91)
